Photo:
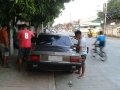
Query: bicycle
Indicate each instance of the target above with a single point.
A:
(98, 51)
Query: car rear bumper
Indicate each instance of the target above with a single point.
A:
(53, 66)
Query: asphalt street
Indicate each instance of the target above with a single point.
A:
(99, 75)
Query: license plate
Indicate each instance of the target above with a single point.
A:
(55, 58)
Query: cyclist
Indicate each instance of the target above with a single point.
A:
(101, 39)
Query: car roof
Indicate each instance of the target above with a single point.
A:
(53, 34)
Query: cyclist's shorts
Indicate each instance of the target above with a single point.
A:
(102, 44)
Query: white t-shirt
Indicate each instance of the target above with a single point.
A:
(83, 44)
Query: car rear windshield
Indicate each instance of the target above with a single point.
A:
(54, 40)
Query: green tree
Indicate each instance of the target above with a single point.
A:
(47, 11)
(113, 8)
(34, 11)
(101, 15)
(11, 8)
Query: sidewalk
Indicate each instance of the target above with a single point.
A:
(12, 79)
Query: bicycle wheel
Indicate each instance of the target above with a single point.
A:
(103, 56)
(93, 53)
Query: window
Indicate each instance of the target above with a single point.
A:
(54, 40)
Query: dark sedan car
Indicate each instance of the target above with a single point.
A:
(54, 52)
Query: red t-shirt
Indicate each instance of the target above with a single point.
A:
(24, 37)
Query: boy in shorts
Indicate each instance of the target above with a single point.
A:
(24, 37)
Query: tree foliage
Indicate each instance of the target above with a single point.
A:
(113, 11)
(113, 8)
(34, 11)
(47, 11)
(101, 15)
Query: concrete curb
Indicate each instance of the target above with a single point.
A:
(51, 82)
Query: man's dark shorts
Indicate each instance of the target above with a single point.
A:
(102, 44)
(23, 53)
(83, 57)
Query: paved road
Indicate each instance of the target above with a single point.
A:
(99, 75)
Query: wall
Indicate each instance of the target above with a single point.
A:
(113, 30)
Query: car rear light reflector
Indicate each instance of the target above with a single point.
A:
(74, 59)
(34, 58)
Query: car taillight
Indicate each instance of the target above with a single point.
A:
(35, 58)
(74, 59)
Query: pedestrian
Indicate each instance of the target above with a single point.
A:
(0, 50)
(4, 45)
(24, 37)
(81, 47)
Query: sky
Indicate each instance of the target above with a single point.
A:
(80, 9)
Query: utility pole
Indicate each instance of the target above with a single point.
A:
(105, 16)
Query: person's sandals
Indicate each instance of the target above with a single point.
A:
(77, 72)
(80, 76)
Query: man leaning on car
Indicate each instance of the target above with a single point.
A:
(81, 48)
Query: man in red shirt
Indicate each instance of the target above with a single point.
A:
(24, 37)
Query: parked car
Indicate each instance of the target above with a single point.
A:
(53, 52)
